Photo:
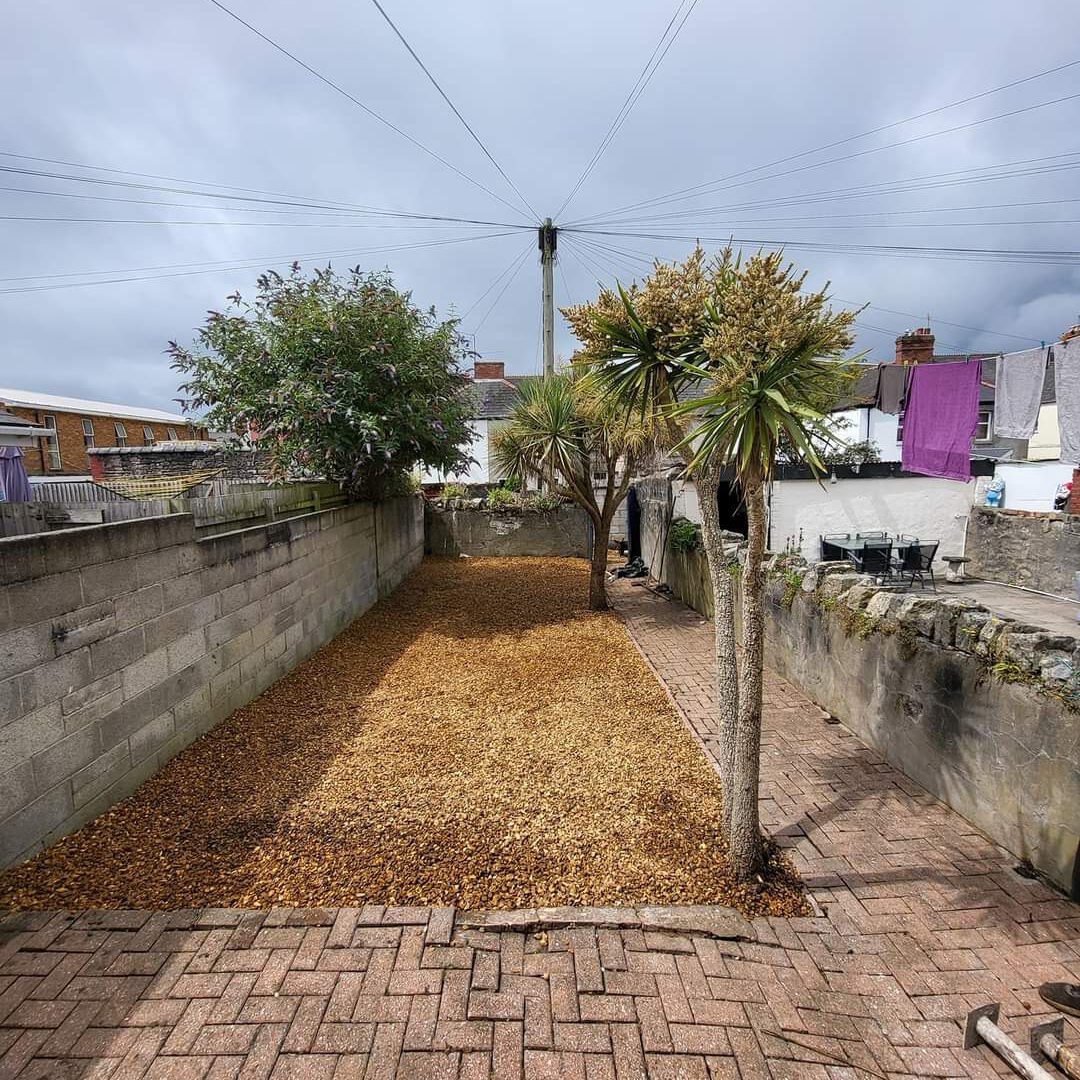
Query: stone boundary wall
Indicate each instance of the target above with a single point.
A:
(552, 533)
(978, 709)
(1022, 547)
(121, 644)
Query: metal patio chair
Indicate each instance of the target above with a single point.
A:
(874, 558)
(830, 552)
(916, 562)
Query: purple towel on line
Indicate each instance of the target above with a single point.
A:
(941, 418)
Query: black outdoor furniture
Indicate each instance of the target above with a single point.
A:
(916, 561)
(874, 557)
(831, 552)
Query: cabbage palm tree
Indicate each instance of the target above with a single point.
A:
(769, 358)
(560, 429)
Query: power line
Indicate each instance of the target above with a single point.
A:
(642, 81)
(1047, 257)
(256, 224)
(442, 93)
(716, 185)
(944, 322)
(855, 138)
(356, 101)
(335, 212)
(521, 260)
(960, 177)
(285, 201)
(498, 277)
(242, 265)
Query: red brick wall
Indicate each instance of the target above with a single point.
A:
(489, 369)
(74, 460)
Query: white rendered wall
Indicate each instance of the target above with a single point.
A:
(1030, 485)
(477, 472)
(923, 506)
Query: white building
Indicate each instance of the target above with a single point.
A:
(492, 395)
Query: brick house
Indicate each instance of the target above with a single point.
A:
(76, 425)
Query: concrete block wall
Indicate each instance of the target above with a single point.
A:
(566, 531)
(121, 644)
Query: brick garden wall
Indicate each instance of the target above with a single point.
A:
(121, 644)
(74, 459)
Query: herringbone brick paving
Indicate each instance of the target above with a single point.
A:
(922, 918)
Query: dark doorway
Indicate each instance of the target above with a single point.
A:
(732, 509)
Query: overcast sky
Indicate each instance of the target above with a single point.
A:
(181, 90)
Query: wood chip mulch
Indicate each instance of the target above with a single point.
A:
(480, 738)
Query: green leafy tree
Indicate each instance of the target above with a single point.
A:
(336, 376)
(561, 429)
(769, 359)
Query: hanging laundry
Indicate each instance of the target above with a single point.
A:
(941, 417)
(892, 388)
(1018, 392)
(1067, 379)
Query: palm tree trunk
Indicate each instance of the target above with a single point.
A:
(744, 837)
(598, 568)
(706, 480)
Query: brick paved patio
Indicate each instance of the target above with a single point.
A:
(923, 918)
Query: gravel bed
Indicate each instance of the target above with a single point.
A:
(478, 739)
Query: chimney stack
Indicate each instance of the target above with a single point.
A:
(915, 347)
(489, 369)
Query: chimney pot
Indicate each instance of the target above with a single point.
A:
(489, 369)
(915, 346)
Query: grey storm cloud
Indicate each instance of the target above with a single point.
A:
(181, 90)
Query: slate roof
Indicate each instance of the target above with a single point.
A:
(863, 392)
(494, 399)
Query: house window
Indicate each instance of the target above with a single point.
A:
(87, 431)
(985, 430)
(121, 434)
(171, 432)
(900, 426)
(52, 444)
(148, 435)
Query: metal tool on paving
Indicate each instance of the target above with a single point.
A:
(1047, 1045)
(982, 1027)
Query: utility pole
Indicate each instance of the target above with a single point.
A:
(548, 238)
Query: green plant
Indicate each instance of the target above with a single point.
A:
(684, 535)
(342, 377)
(455, 491)
(512, 483)
(792, 585)
(1006, 672)
(501, 499)
(542, 500)
(563, 430)
(865, 452)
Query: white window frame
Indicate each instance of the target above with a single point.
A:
(987, 412)
(53, 461)
(171, 432)
(88, 432)
(148, 435)
(121, 433)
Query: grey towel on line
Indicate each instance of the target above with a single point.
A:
(1067, 373)
(1018, 392)
(892, 388)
